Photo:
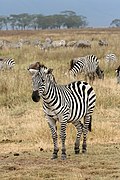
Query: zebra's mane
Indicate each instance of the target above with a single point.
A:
(42, 66)
(75, 60)
(72, 62)
(37, 66)
(49, 72)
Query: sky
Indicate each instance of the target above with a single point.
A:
(99, 13)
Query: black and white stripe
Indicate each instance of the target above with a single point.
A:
(7, 63)
(89, 65)
(110, 58)
(65, 103)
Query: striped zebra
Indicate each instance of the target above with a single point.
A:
(6, 63)
(110, 58)
(103, 42)
(83, 44)
(89, 65)
(65, 103)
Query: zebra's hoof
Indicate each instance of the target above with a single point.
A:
(63, 156)
(54, 156)
(84, 151)
(77, 151)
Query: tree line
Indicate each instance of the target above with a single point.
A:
(66, 19)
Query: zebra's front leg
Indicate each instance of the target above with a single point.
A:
(79, 127)
(63, 137)
(87, 126)
(52, 125)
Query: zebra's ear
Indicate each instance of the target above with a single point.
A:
(50, 71)
(33, 71)
(37, 65)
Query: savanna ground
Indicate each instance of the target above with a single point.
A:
(25, 139)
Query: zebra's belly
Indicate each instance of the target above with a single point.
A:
(73, 118)
(61, 117)
(71, 114)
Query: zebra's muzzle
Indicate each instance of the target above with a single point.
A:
(35, 96)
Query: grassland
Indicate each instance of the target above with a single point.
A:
(25, 139)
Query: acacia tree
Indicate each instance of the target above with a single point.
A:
(115, 22)
(74, 21)
(24, 20)
(4, 20)
(13, 21)
(1, 22)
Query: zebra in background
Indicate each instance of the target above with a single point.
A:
(110, 58)
(118, 74)
(89, 65)
(103, 42)
(65, 103)
(83, 44)
(6, 63)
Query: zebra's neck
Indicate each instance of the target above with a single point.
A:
(78, 67)
(49, 92)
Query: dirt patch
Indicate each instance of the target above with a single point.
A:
(100, 162)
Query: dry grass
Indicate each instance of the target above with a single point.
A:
(25, 139)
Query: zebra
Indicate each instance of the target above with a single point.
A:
(65, 103)
(118, 74)
(7, 63)
(83, 44)
(102, 42)
(58, 43)
(110, 58)
(89, 65)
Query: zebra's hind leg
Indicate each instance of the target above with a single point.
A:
(53, 127)
(86, 127)
(63, 137)
(79, 127)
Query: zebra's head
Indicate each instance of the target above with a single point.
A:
(41, 77)
(34, 68)
(100, 73)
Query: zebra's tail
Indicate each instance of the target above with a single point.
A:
(90, 124)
